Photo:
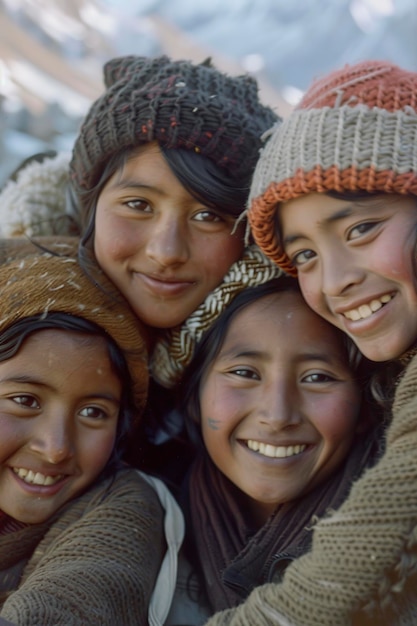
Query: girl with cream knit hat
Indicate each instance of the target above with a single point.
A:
(334, 201)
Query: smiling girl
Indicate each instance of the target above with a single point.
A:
(273, 398)
(334, 201)
(81, 534)
(158, 176)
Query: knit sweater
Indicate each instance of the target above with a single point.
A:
(362, 568)
(94, 563)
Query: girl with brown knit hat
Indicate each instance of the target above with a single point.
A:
(81, 535)
(334, 201)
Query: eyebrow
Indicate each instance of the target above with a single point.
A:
(318, 356)
(124, 183)
(237, 353)
(331, 219)
(304, 356)
(29, 380)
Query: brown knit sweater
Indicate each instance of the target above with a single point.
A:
(95, 564)
(362, 568)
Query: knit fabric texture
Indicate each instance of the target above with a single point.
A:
(174, 349)
(354, 130)
(34, 202)
(39, 283)
(95, 562)
(362, 568)
(178, 104)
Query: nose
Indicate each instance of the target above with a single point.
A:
(168, 244)
(277, 405)
(55, 443)
(340, 272)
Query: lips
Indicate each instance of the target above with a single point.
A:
(163, 286)
(366, 310)
(36, 478)
(275, 452)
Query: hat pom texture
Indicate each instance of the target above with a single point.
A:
(354, 130)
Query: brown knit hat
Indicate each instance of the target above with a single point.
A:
(40, 283)
(354, 130)
(178, 104)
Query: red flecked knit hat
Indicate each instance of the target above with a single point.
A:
(179, 104)
(354, 130)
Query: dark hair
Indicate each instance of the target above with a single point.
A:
(210, 345)
(198, 174)
(13, 337)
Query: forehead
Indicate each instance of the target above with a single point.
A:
(322, 212)
(285, 315)
(63, 344)
(313, 210)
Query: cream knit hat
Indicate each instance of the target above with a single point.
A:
(354, 130)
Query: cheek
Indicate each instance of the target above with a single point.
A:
(13, 436)
(219, 254)
(338, 419)
(114, 238)
(395, 264)
(311, 292)
(219, 410)
(97, 449)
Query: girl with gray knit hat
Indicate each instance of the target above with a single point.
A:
(159, 176)
(334, 201)
(160, 172)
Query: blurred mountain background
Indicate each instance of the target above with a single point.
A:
(52, 51)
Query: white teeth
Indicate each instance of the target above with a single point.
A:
(36, 479)
(375, 305)
(366, 310)
(274, 452)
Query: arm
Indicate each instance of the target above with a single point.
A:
(99, 568)
(363, 553)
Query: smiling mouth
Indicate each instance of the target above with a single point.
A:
(165, 286)
(366, 310)
(274, 452)
(36, 478)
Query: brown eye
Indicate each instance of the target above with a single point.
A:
(360, 229)
(93, 412)
(26, 400)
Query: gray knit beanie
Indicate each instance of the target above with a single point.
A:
(178, 104)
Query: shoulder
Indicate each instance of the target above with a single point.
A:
(406, 385)
(127, 485)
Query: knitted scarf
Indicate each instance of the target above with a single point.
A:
(231, 557)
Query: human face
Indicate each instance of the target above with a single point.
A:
(59, 406)
(162, 248)
(279, 405)
(355, 262)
